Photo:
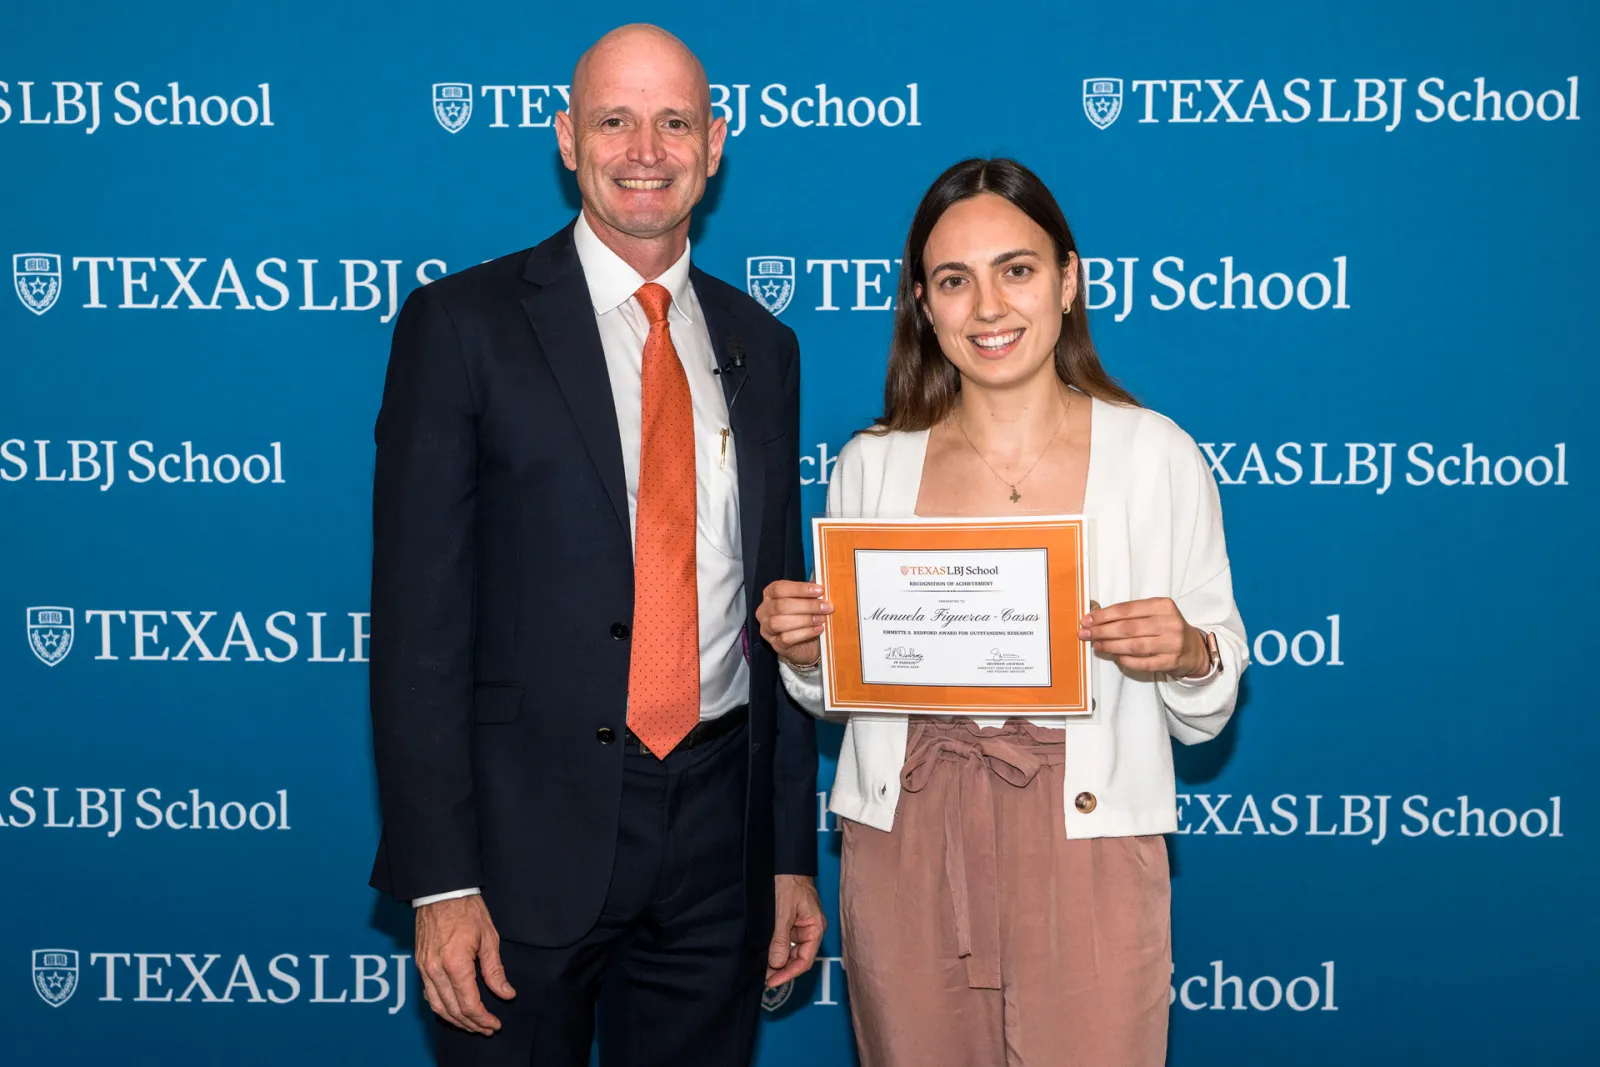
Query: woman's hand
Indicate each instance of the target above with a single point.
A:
(791, 617)
(1147, 635)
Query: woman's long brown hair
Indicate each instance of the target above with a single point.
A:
(922, 384)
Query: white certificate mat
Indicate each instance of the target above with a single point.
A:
(944, 618)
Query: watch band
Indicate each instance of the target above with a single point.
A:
(1214, 654)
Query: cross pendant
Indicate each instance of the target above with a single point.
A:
(1015, 496)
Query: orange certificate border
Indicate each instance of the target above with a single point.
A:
(1064, 539)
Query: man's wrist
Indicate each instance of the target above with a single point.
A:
(454, 894)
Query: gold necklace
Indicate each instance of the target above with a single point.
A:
(1016, 496)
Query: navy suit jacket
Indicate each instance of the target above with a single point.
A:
(502, 590)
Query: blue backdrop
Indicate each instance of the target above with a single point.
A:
(1349, 246)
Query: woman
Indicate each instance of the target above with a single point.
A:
(1005, 893)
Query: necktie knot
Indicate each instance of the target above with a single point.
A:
(655, 300)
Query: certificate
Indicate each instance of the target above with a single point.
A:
(971, 617)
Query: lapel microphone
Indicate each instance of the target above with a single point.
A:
(736, 362)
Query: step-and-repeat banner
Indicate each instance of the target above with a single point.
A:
(1349, 246)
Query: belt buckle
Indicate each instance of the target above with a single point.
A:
(690, 739)
(697, 733)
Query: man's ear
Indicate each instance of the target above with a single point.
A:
(566, 139)
(718, 136)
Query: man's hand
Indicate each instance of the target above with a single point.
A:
(797, 931)
(455, 937)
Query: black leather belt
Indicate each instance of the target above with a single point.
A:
(707, 731)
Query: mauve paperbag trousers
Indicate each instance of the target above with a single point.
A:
(977, 935)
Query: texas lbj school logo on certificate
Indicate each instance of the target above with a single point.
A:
(964, 617)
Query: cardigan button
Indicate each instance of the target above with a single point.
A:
(1085, 802)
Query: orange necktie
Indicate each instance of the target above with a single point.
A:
(664, 671)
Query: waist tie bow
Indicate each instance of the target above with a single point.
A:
(970, 841)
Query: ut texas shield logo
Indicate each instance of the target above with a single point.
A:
(1102, 100)
(773, 999)
(770, 279)
(55, 974)
(50, 634)
(38, 277)
(452, 105)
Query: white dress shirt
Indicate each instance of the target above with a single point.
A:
(719, 562)
(1157, 533)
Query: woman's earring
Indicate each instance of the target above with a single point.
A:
(1068, 309)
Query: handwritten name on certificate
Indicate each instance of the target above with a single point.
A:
(961, 617)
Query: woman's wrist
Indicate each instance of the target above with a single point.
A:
(804, 668)
(1196, 663)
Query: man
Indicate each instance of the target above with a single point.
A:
(594, 790)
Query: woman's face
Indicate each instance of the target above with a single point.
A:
(994, 291)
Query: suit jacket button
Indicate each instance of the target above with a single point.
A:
(1085, 802)
(619, 631)
(605, 735)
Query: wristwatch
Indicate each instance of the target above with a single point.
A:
(1214, 654)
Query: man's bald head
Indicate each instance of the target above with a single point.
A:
(640, 134)
(633, 45)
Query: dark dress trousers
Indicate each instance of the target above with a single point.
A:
(502, 598)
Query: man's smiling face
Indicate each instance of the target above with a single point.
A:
(640, 135)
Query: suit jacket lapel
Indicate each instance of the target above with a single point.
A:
(562, 317)
(745, 420)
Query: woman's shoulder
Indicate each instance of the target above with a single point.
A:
(870, 460)
(1145, 430)
(875, 448)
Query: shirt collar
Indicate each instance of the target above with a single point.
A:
(612, 282)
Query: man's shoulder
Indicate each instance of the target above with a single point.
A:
(755, 319)
(493, 278)
(488, 284)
